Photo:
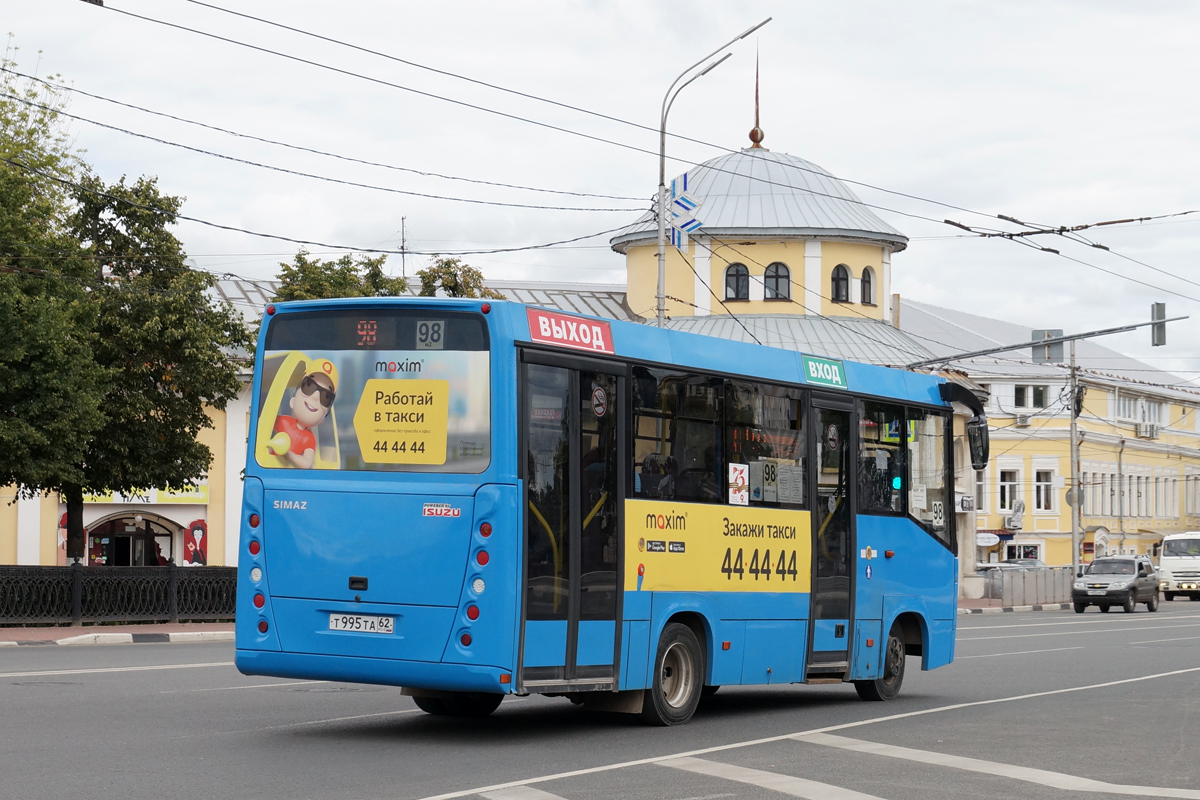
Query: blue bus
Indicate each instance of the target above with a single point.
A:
(470, 499)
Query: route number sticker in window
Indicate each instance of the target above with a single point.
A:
(430, 334)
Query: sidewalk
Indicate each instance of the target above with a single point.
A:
(981, 606)
(119, 634)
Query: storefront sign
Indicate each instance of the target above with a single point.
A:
(987, 539)
(193, 495)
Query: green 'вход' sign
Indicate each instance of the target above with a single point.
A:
(824, 372)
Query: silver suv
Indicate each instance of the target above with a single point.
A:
(1116, 581)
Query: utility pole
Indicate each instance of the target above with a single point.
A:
(1075, 487)
(403, 247)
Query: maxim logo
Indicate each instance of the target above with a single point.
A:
(300, 505)
(398, 366)
(667, 522)
(440, 510)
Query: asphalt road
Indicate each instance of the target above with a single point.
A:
(1036, 705)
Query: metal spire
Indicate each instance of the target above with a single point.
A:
(756, 134)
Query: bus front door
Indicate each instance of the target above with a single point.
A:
(833, 541)
(572, 424)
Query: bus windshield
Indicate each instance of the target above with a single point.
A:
(405, 390)
(1181, 547)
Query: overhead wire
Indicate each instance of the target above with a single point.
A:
(306, 242)
(301, 174)
(301, 148)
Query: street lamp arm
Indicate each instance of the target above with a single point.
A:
(686, 83)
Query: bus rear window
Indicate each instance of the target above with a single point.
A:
(400, 390)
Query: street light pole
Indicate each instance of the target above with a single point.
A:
(668, 100)
(1076, 507)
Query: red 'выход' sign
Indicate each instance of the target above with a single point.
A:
(563, 330)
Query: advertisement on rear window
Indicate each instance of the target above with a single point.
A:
(351, 405)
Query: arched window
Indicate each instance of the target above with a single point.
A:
(737, 282)
(777, 281)
(868, 287)
(839, 289)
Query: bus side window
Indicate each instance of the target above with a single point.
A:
(676, 436)
(880, 458)
(763, 429)
(926, 467)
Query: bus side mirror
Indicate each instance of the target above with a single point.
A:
(977, 439)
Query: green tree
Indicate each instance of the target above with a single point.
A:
(454, 278)
(170, 351)
(51, 386)
(308, 278)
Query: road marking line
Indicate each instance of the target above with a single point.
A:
(1071, 633)
(769, 739)
(992, 655)
(1177, 639)
(784, 784)
(1072, 622)
(102, 670)
(339, 719)
(520, 793)
(228, 688)
(1055, 780)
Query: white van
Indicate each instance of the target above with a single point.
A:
(1179, 565)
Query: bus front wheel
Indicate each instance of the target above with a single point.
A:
(679, 672)
(888, 686)
(460, 704)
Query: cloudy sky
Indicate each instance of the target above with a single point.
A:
(1060, 113)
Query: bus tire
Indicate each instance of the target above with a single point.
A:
(678, 678)
(887, 686)
(431, 705)
(471, 704)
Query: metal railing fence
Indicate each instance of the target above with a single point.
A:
(1027, 587)
(74, 594)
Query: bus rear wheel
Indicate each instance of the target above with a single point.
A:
(888, 686)
(678, 681)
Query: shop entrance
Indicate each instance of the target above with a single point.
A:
(130, 541)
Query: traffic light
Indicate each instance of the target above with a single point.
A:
(1158, 331)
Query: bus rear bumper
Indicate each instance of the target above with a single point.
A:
(386, 672)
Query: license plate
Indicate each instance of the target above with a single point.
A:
(362, 623)
(1090, 591)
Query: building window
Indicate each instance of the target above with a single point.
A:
(1008, 489)
(1127, 407)
(839, 288)
(868, 287)
(737, 282)
(981, 491)
(1030, 396)
(1043, 490)
(1084, 490)
(777, 282)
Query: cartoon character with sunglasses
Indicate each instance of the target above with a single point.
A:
(294, 438)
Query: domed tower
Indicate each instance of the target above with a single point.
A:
(778, 236)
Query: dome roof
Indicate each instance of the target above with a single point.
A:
(756, 192)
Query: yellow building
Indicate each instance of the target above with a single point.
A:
(1139, 453)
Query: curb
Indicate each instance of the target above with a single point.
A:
(134, 638)
(1011, 609)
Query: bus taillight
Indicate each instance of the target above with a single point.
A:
(472, 612)
(254, 547)
(259, 601)
(485, 530)
(262, 626)
(482, 557)
(465, 639)
(254, 520)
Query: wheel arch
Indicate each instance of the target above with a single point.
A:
(697, 613)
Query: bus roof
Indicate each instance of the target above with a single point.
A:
(648, 343)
